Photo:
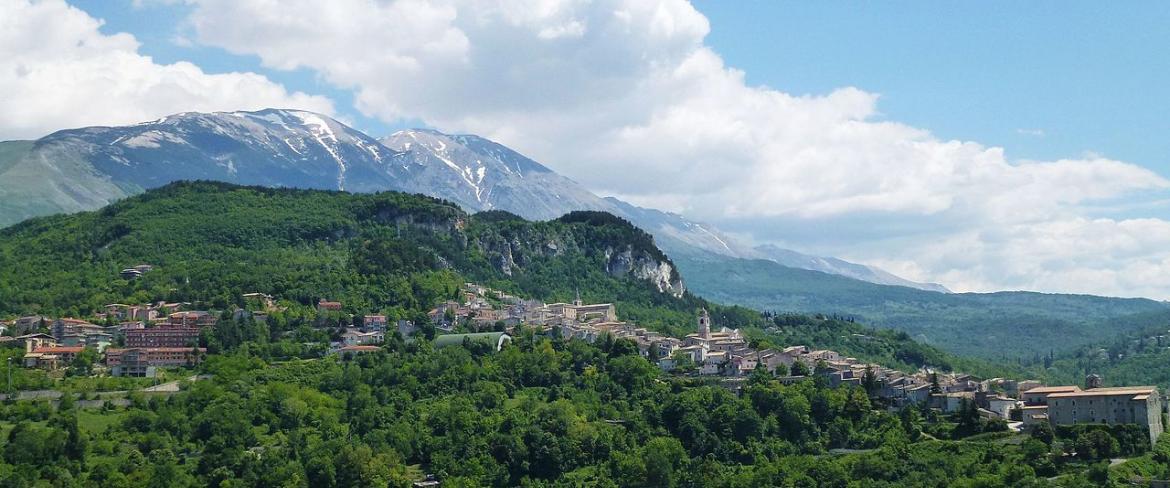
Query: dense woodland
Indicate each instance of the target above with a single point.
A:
(1005, 326)
(542, 412)
(539, 413)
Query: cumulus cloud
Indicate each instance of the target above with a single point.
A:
(625, 96)
(57, 70)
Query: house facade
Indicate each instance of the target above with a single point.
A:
(1141, 405)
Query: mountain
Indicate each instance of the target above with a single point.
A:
(840, 267)
(679, 236)
(483, 175)
(39, 181)
(479, 174)
(270, 147)
(990, 325)
(369, 250)
(82, 169)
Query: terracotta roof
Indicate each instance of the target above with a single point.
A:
(111, 350)
(59, 350)
(1143, 391)
(1054, 389)
(360, 348)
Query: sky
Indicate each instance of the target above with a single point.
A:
(985, 146)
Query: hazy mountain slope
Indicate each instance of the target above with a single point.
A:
(482, 175)
(39, 180)
(677, 235)
(1008, 324)
(841, 267)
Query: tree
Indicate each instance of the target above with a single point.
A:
(652, 352)
(781, 370)
(83, 362)
(1043, 432)
(759, 376)
(664, 458)
(799, 369)
(869, 380)
(683, 362)
(969, 422)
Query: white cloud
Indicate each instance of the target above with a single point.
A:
(624, 96)
(58, 71)
(1127, 257)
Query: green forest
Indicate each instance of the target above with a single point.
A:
(273, 410)
(539, 413)
(1003, 326)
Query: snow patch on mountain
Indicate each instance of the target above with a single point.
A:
(321, 132)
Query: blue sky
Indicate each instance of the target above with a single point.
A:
(1089, 75)
(1044, 79)
(160, 29)
(986, 146)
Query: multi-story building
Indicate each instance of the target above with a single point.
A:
(29, 324)
(374, 322)
(1141, 405)
(143, 361)
(191, 319)
(49, 357)
(1039, 395)
(162, 336)
(66, 326)
(355, 337)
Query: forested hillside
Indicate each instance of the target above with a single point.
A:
(209, 242)
(1001, 326)
(541, 412)
(390, 252)
(1138, 357)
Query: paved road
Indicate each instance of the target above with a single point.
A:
(168, 387)
(172, 386)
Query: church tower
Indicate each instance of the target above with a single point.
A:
(577, 301)
(704, 325)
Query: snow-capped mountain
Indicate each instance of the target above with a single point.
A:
(269, 147)
(83, 169)
(482, 175)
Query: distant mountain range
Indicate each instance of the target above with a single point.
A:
(83, 169)
(1011, 324)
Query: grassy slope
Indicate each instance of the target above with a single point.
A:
(995, 325)
(35, 182)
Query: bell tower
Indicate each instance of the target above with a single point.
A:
(704, 324)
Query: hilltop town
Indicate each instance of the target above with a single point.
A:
(150, 337)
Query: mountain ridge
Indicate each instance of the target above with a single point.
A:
(80, 169)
